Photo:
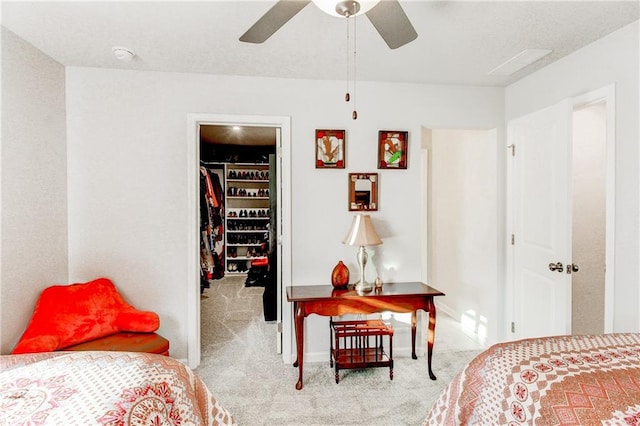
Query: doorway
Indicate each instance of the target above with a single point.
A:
(283, 246)
(461, 243)
(238, 211)
(588, 218)
(560, 211)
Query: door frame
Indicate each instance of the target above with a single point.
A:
(283, 153)
(606, 94)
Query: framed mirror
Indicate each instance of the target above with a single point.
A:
(363, 191)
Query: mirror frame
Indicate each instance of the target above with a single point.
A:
(354, 204)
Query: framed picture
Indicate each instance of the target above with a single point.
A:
(363, 191)
(330, 149)
(392, 149)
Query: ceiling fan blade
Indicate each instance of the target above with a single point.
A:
(392, 23)
(271, 21)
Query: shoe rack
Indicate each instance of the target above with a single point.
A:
(247, 215)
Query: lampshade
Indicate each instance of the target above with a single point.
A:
(362, 232)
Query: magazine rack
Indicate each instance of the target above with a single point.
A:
(359, 344)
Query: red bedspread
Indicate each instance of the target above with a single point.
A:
(104, 388)
(565, 380)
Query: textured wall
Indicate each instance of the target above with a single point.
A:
(34, 182)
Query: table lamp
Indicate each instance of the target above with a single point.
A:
(362, 233)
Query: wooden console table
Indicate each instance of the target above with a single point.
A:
(395, 297)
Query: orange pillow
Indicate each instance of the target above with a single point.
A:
(66, 315)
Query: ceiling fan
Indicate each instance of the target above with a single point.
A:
(387, 16)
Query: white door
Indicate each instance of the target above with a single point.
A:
(540, 221)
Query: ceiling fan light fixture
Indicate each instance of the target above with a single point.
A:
(345, 8)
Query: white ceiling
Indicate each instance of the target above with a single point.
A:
(458, 42)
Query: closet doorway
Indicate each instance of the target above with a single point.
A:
(242, 169)
(238, 207)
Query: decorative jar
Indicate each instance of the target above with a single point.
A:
(340, 275)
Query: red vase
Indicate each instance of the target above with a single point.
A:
(340, 275)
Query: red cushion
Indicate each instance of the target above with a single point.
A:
(260, 262)
(69, 314)
(139, 321)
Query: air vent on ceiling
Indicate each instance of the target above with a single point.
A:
(521, 60)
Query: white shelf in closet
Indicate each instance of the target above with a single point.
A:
(247, 214)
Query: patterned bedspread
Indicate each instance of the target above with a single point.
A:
(565, 380)
(104, 388)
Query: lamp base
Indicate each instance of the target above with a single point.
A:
(363, 287)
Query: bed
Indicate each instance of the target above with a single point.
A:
(563, 380)
(104, 388)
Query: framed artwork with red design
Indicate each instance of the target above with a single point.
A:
(392, 149)
(330, 149)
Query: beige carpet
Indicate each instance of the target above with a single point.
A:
(241, 368)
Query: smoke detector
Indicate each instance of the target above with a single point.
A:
(123, 53)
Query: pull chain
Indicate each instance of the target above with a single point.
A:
(354, 114)
(347, 97)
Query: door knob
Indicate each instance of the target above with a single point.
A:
(572, 267)
(556, 267)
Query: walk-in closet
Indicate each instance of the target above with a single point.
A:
(237, 207)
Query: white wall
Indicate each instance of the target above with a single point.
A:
(127, 146)
(610, 60)
(33, 190)
(464, 260)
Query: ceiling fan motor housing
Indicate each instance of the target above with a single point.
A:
(347, 8)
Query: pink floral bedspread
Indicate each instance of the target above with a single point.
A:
(104, 388)
(565, 380)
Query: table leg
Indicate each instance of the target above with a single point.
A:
(431, 336)
(299, 326)
(295, 329)
(414, 322)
